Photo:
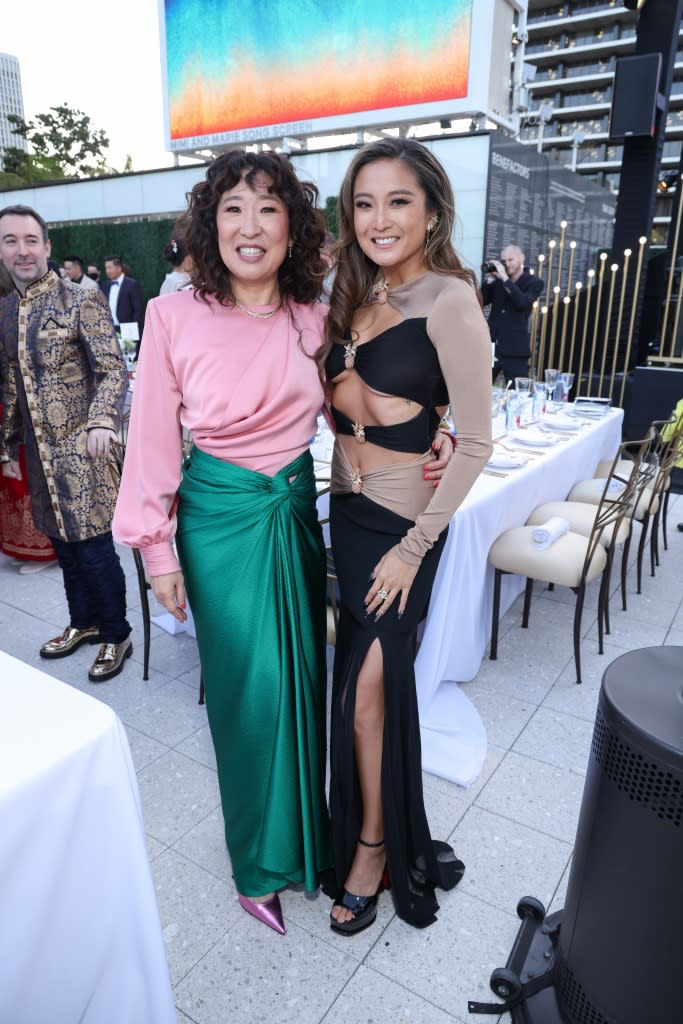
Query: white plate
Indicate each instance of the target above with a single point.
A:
(534, 438)
(507, 460)
(560, 422)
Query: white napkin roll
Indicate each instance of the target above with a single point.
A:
(615, 486)
(550, 531)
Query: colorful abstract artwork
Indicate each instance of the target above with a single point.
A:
(233, 66)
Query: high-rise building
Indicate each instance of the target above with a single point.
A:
(573, 46)
(11, 102)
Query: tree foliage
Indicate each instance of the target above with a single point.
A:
(63, 143)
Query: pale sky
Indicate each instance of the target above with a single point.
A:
(100, 58)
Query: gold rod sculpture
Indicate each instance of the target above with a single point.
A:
(613, 280)
(677, 317)
(565, 314)
(534, 332)
(598, 309)
(553, 329)
(570, 273)
(617, 337)
(541, 351)
(539, 268)
(563, 228)
(636, 286)
(549, 282)
(577, 294)
(669, 285)
(589, 295)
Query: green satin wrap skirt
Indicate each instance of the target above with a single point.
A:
(252, 552)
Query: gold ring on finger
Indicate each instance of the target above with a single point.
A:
(383, 593)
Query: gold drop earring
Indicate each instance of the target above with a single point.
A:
(431, 224)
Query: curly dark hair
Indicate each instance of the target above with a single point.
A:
(356, 272)
(301, 277)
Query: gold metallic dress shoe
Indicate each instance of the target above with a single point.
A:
(69, 641)
(109, 660)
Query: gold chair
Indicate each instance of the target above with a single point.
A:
(636, 463)
(572, 561)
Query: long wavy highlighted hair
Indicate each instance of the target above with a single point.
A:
(299, 277)
(356, 273)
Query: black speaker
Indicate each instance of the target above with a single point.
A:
(634, 96)
(613, 955)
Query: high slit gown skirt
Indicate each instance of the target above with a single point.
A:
(362, 531)
(253, 556)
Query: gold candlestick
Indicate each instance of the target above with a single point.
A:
(534, 330)
(563, 228)
(577, 294)
(570, 273)
(541, 352)
(617, 340)
(613, 271)
(642, 241)
(669, 286)
(556, 309)
(541, 261)
(565, 314)
(677, 316)
(598, 309)
(589, 295)
(549, 282)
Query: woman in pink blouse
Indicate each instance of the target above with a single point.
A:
(233, 363)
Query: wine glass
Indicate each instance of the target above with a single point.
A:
(567, 383)
(550, 382)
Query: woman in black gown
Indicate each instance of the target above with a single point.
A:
(405, 336)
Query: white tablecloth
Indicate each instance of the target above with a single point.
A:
(458, 625)
(80, 938)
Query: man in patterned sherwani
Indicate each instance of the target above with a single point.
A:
(64, 385)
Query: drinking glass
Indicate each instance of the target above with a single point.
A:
(550, 382)
(540, 397)
(523, 385)
(567, 382)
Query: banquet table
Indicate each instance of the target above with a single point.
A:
(458, 624)
(80, 937)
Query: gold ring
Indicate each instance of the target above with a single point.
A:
(383, 593)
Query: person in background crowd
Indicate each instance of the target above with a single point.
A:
(19, 539)
(93, 272)
(511, 291)
(74, 267)
(405, 336)
(176, 254)
(64, 383)
(124, 296)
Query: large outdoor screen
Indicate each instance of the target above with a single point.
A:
(262, 68)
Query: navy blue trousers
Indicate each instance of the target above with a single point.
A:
(95, 585)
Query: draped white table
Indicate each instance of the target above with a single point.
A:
(458, 624)
(80, 938)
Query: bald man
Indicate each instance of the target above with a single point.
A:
(511, 291)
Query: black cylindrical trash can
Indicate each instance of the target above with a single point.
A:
(620, 950)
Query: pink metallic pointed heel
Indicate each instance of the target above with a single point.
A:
(269, 913)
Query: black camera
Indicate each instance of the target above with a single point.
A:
(489, 267)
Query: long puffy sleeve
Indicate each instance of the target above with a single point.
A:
(145, 510)
(458, 331)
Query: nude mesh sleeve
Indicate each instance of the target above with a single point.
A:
(458, 331)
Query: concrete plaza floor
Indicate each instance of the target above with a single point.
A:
(514, 827)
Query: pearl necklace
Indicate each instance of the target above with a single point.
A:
(257, 315)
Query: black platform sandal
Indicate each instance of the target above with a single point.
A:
(363, 908)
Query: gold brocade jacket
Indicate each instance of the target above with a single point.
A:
(62, 373)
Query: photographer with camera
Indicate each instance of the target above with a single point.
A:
(511, 291)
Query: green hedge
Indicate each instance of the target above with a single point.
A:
(139, 243)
